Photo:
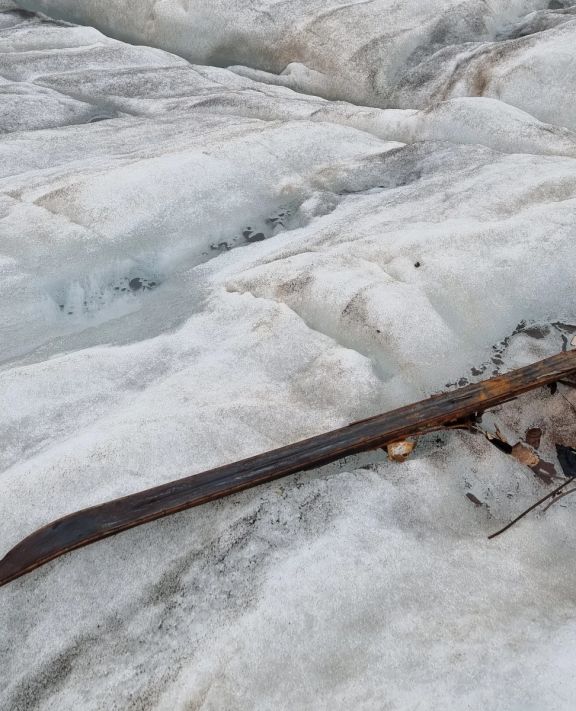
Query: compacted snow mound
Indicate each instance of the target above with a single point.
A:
(78, 75)
(196, 266)
(378, 52)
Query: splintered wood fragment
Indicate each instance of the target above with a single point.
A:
(400, 451)
(440, 411)
(525, 455)
(533, 437)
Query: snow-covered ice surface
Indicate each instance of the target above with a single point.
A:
(402, 53)
(199, 263)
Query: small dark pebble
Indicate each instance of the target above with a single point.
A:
(258, 237)
(478, 371)
(417, 265)
(474, 500)
(538, 332)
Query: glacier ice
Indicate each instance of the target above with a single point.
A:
(377, 52)
(323, 217)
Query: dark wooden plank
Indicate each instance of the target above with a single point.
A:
(107, 519)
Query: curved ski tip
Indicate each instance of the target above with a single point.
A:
(33, 552)
(12, 567)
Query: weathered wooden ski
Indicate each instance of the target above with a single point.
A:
(447, 409)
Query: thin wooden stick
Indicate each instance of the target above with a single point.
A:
(107, 519)
(551, 495)
(556, 499)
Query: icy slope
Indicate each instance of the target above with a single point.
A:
(219, 266)
(378, 52)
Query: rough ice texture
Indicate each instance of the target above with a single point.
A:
(197, 264)
(378, 52)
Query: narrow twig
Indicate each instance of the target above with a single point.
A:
(557, 498)
(551, 495)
